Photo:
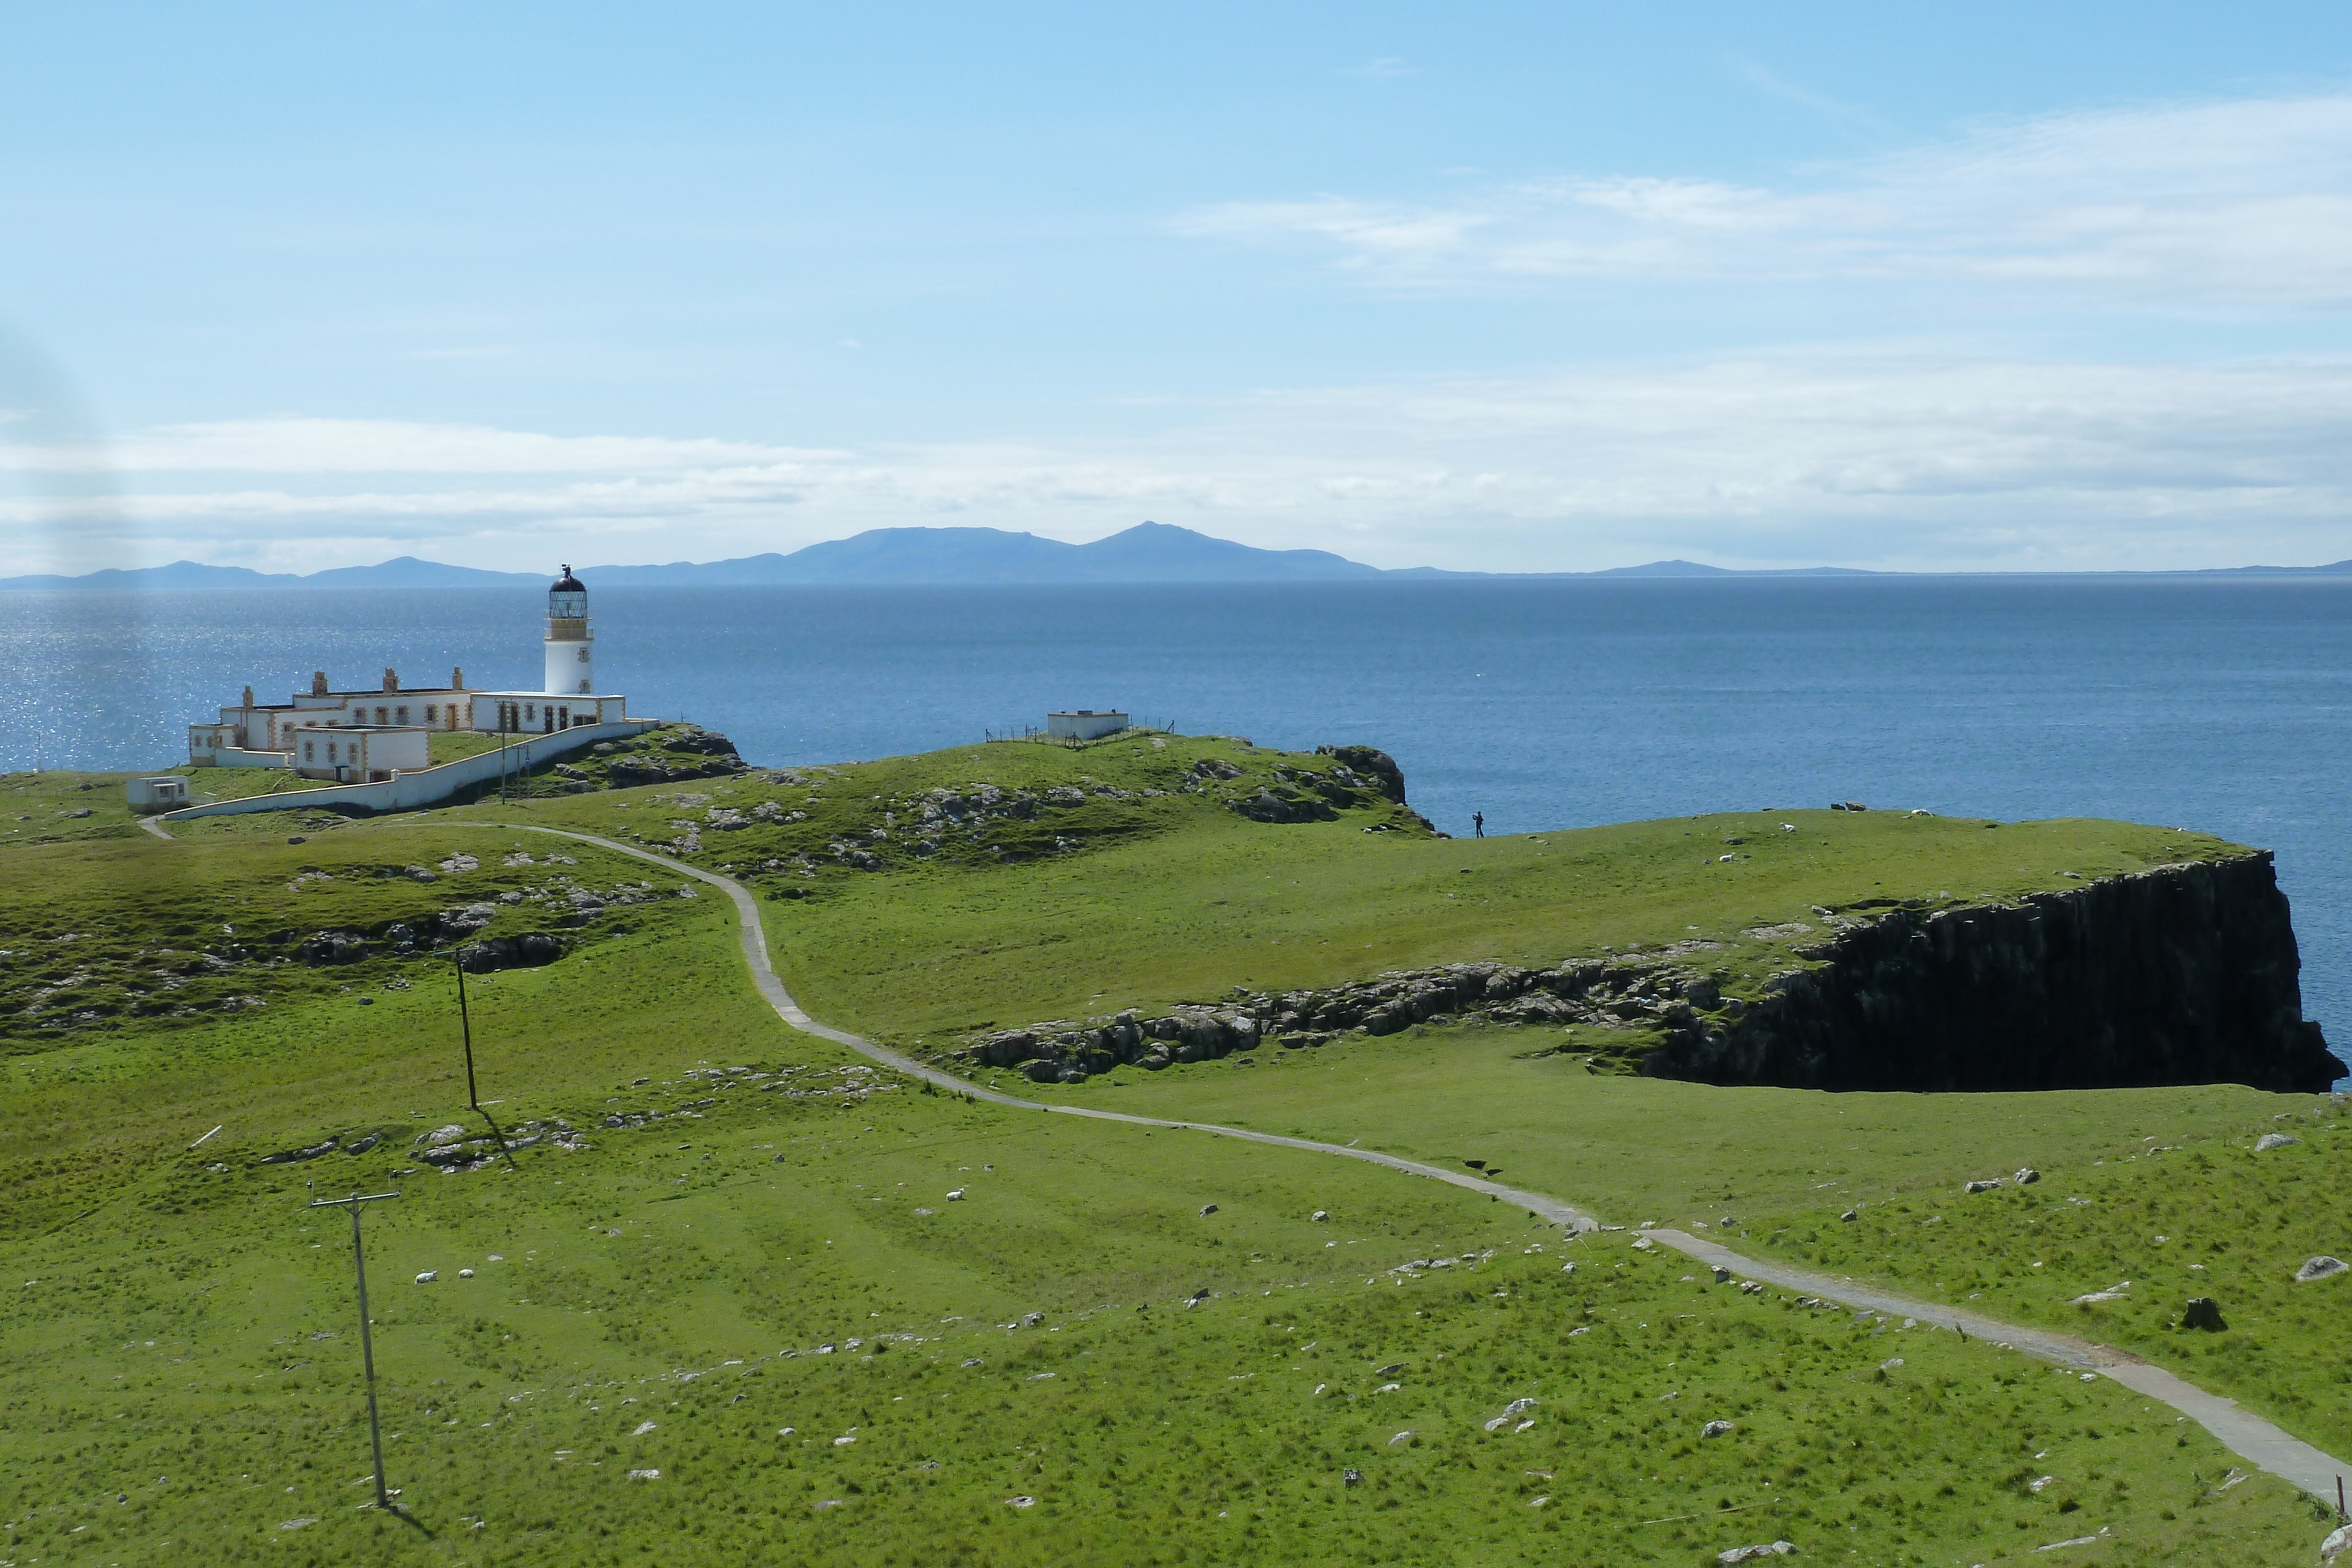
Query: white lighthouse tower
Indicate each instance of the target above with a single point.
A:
(571, 646)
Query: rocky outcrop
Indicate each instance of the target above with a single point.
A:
(2185, 974)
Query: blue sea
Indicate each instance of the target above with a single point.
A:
(2220, 705)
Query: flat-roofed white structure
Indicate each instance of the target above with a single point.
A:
(1083, 724)
(167, 793)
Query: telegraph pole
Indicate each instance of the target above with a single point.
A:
(367, 1341)
(473, 1096)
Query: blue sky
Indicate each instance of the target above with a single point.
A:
(1503, 287)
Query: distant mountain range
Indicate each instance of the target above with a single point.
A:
(1147, 553)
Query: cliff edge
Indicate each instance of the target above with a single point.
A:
(2180, 974)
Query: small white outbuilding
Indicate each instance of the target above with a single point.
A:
(1083, 724)
(161, 794)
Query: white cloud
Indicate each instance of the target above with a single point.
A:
(2233, 205)
(1872, 459)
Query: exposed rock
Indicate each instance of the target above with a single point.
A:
(2269, 1141)
(1385, 775)
(527, 951)
(427, 1277)
(2027, 1176)
(2203, 1312)
(332, 947)
(2319, 1268)
(1717, 1429)
(1751, 1553)
(2180, 974)
(1207, 1210)
(291, 1156)
(1985, 1186)
(2337, 1543)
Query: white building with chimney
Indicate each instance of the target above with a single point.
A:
(359, 736)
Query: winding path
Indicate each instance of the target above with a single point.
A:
(2241, 1432)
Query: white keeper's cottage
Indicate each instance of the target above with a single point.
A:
(354, 736)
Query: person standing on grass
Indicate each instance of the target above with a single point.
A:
(1478, 820)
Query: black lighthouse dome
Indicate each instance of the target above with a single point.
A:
(568, 583)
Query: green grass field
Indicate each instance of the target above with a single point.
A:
(655, 1288)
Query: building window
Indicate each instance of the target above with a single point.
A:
(400, 716)
(310, 752)
(432, 712)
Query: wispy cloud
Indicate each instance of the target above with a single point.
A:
(2229, 204)
(1388, 68)
(1887, 459)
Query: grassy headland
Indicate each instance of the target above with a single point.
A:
(727, 1247)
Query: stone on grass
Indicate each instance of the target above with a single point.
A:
(1207, 1210)
(430, 1275)
(1022, 1501)
(1985, 1185)
(2318, 1269)
(1404, 1436)
(2027, 1176)
(2274, 1140)
(1848, 1214)
(1320, 1215)
(1751, 1553)
(1717, 1429)
(1350, 1478)
(2203, 1312)
(2337, 1545)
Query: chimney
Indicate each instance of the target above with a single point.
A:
(391, 680)
(457, 679)
(317, 683)
(248, 697)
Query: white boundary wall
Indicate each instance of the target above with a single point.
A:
(427, 786)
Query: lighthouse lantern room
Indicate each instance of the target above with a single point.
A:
(571, 646)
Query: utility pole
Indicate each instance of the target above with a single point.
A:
(466, 1022)
(367, 1340)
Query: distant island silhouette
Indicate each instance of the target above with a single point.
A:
(1146, 553)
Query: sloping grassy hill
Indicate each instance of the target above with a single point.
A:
(726, 1252)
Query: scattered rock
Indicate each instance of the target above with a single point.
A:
(1020, 1501)
(1355, 1478)
(1390, 1370)
(1404, 1436)
(2337, 1545)
(1207, 1210)
(2203, 1312)
(2318, 1269)
(1513, 1408)
(1890, 1364)
(464, 1273)
(427, 1277)
(1320, 1215)
(2269, 1141)
(1717, 1429)
(291, 1156)
(1850, 1214)
(1985, 1185)
(642, 1429)
(645, 1475)
(2027, 1176)
(1751, 1553)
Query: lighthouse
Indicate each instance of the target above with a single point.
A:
(571, 646)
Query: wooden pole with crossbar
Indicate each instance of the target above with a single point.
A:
(367, 1340)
